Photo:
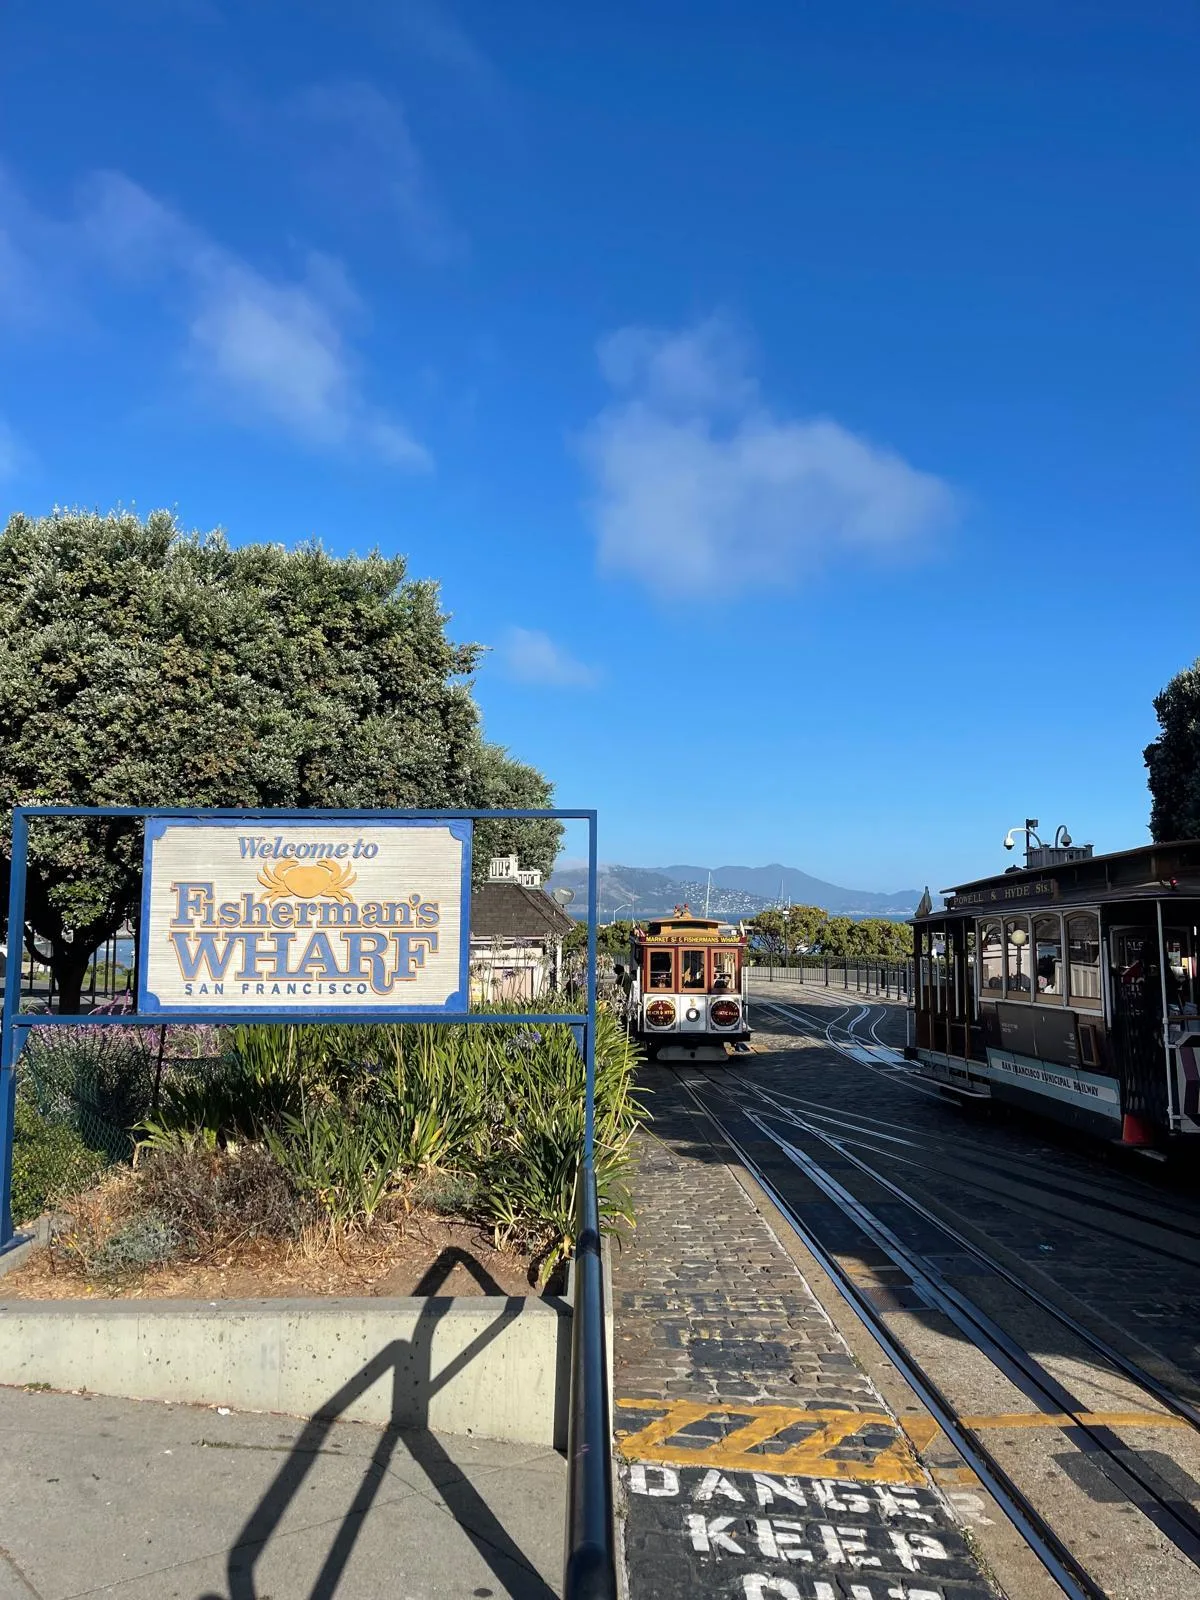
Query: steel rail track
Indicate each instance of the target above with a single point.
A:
(1181, 1528)
(1132, 1187)
(870, 1041)
(1130, 1368)
(1183, 1531)
(988, 1181)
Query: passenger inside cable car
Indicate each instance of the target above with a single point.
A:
(660, 969)
(692, 962)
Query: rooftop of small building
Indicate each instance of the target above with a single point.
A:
(504, 909)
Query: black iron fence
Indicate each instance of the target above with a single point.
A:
(890, 980)
(109, 973)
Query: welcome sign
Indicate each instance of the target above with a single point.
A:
(312, 915)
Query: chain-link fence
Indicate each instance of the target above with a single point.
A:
(82, 1095)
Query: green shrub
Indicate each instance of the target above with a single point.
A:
(450, 1194)
(145, 1240)
(475, 1121)
(100, 1080)
(51, 1161)
(340, 1159)
(233, 1105)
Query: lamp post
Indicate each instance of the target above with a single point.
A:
(1018, 937)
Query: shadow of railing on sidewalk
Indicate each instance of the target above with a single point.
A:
(410, 1363)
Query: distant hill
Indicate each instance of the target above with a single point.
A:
(736, 892)
(801, 888)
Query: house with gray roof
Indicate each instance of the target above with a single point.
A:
(517, 934)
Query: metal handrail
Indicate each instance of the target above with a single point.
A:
(591, 1560)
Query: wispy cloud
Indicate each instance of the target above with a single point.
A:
(362, 157)
(430, 27)
(12, 452)
(530, 656)
(31, 262)
(698, 484)
(261, 348)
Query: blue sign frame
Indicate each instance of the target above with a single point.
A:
(459, 1001)
(14, 1025)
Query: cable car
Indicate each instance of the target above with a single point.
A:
(1070, 988)
(687, 997)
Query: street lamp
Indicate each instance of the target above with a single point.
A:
(1019, 938)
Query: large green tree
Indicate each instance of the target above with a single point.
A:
(144, 666)
(785, 932)
(1173, 759)
(612, 940)
(866, 939)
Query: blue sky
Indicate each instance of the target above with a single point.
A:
(800, 399)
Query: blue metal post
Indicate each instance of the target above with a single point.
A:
(589, 1108)
(9, 1037)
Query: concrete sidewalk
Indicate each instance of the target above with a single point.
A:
(158, 1502)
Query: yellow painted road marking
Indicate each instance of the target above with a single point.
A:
(736, 1452)
(921, 1430)
(1091, 1419)
(740, 1449)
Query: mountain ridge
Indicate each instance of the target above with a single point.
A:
(793, 885)
(734, 891)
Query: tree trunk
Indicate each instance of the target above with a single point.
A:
(69, 966)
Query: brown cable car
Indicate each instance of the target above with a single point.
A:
(687, 998)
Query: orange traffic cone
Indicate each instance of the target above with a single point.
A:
(1135, 1130)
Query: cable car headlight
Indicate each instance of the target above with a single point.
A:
(660, 1013)
(725, 1013)
(692, 1014)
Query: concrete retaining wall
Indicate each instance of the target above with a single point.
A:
(498, 1368)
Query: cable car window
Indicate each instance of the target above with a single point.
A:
(662, 969)
(724, 976)
(941, 970)
(991, 958)
(1047, 955)
(692, 962)
(1083, 958)
(1017, 955)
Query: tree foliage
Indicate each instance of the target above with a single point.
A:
(612, 940)
(143, 666)
(784, 934)
(1173, 759)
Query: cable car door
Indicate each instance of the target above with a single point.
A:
(1137, 1021)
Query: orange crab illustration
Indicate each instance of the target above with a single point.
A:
(306, 880)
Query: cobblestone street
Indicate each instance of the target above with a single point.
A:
(760, 1459)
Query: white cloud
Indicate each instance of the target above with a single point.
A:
(698, 486)
(262, 349)
(365, 159)
(530, 656)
